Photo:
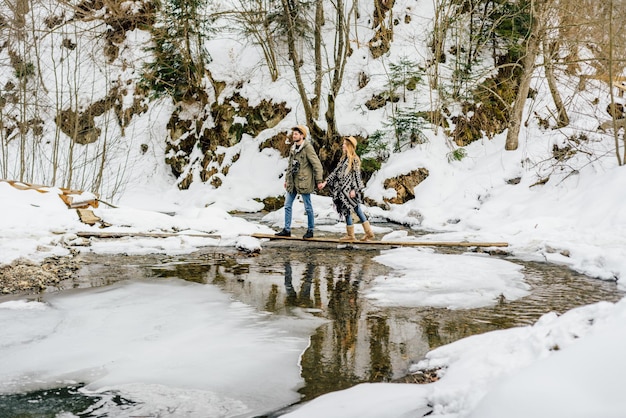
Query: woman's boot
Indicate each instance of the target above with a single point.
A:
(368, 231)
(349, 234)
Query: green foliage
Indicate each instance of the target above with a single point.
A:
(171, 73)
(373, 151)
(512, 23)
(375, 145)
(407, 126)
(369, 166)
(456, 155)
(24, 70)
(180, 58)
(462, 79)
(405, 75)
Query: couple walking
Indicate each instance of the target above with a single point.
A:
(305, 171)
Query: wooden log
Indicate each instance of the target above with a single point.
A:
(391, 243)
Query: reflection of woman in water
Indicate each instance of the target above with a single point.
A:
(346, 188)
(345, 310)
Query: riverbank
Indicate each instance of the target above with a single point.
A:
(26, 277)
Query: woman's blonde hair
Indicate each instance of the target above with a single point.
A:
(350, 153)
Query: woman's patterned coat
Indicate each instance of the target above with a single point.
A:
(341, 183)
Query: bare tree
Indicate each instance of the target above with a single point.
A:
(340, 56)
(588, 35)
(289, 14)
(528, 67)
(317, 48)
(254, 18)
(611, 48)
(549, 55)
(56, 127)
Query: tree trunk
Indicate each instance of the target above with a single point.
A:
(548, 54)
(342, 44)
(437, 46)
(528, 66)
(610, 66)
(319, 22)
(295, 64)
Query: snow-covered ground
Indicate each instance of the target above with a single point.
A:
(168, 346)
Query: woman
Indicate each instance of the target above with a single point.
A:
(346, 187)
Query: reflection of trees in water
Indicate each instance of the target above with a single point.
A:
(430, 328)
(272, 299)
(332, 361)
(442, 327)
(380, 359)
(344, 310)
(189, 272)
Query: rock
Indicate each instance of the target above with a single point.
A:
(404, 185)
(25, 276)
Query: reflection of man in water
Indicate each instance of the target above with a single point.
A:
(304, 299)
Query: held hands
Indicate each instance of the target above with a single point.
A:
(321, 185)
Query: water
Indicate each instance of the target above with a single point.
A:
(360, 342)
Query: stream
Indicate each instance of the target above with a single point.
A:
(355, 340)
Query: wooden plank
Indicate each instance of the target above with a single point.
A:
(21, 185)
(392, 243)
(99, 234)
(86, 216)
(72, 198)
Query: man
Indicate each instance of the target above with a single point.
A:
(303, 173)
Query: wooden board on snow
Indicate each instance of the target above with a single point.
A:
(87, 216)
(392, 243)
